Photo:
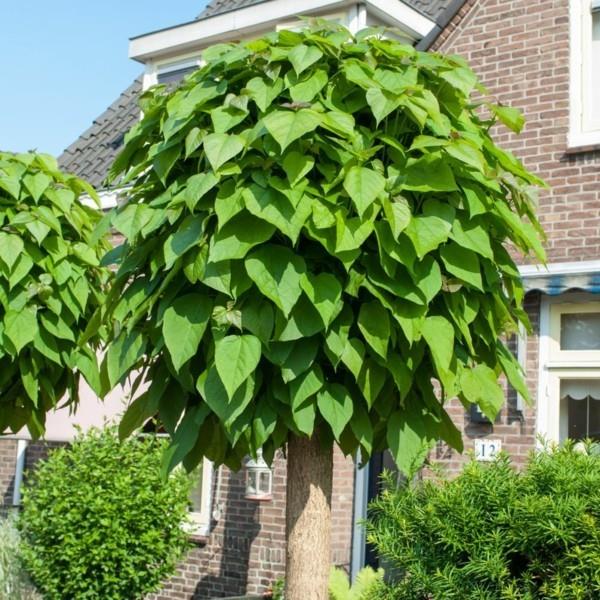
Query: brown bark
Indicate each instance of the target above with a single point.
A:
(308, 519)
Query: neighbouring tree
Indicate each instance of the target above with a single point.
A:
(51, 283)
(314, 255)
(100, 520)
(495, 531)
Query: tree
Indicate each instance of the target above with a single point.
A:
(51, 283)
(314, 241)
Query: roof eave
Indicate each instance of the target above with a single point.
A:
(258, 17)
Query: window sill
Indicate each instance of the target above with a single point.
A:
(198, 539)
(582, 149)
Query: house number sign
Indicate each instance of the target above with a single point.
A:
(487, 450)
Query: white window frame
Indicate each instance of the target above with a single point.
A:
(556, 364)
(153, 70)
(199, 521)
(581, 131)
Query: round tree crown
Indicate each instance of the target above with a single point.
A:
(315, 235)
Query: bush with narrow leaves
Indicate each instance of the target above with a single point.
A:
(51, 283)
(315, 228)
(494, 533)
(100, 521)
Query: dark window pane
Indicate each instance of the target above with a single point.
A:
(577, 418)
(174, 77)
(594, 431)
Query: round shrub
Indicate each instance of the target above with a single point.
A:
(100, 521)
(494, 533)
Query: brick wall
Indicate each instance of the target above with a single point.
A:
(520, 50)
(245, 551)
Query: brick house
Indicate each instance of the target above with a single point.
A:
(542, 57)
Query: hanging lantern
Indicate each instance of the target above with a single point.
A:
(259, 479)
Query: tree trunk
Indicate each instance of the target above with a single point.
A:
(308, 519)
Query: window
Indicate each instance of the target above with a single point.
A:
(170, 73)
(200, 500)
(585, 72)
(569, 394)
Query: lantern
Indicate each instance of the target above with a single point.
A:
(259, 479)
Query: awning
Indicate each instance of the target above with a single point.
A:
(557, 278)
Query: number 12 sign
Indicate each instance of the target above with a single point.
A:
(487, 450)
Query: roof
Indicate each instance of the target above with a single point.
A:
(430, 8)
(92, 154)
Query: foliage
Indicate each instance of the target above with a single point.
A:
(366, 582)
(314, 230)
(51, 283)
(100, 521)
(14, 583)
(494, 533)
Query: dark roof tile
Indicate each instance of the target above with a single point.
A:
(431, 8)
(91, 155)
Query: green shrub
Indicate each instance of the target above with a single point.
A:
(367, 582)
(494, 533)
(100, 522)
(14, 583)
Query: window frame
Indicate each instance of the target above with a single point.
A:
(581, 132)
(556, 365)
(200, 521)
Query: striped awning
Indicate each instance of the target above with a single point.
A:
(558, 278)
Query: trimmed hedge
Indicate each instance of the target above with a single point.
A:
(494, 533)
(100, 521)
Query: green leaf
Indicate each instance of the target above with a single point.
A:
(122, 355)
(296, 165)
(353, 356)
(325, 292)
(432, 228)
(382, 103)
(370, 381)
(11, 247)
(307, 89)
(221, 147)
(131, 219)
(263, 94)
(363, 186)
(184, 324)
(236, 358)
(409, 440)
(480, 386)
(430, 173)
(197, 187)
(188, 234)
(21, 326)
(238, 236)
(374, 323)
(473, 236)
(276, 208)
(165, 161)
(398, 214)
(305, 386)
(37, 184)
(513, 370)
(302, 56)
(287, 126)
(277, 272)
(439, 335)
(462, 263)
(511, 117)
(336, 407)
(226, 407)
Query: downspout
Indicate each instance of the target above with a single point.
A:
(359, 538)
(19, 469)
